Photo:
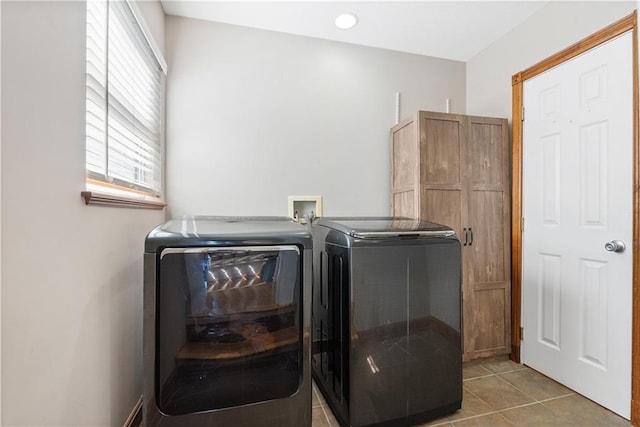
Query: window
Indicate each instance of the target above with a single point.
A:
(124, 102)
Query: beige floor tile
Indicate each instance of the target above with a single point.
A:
(497, 393)
(491, 420)
(499, 367)
(474, 371)
(471, 406)
(583, 412)
(315, 399)
(534, 384)
(536, 415)
(318, 419)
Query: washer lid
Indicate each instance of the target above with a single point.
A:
(381, 227)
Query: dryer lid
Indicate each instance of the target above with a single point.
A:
(382, 227)
(197, 231)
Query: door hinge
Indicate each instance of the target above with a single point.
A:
(522, 224)
(522, 117)
(521, 333)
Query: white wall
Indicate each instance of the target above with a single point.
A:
(0, 218)
(72, 274)
(155, 20)
(556, 26)
(254, 116)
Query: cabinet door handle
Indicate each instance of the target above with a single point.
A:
(466, 236)
(471, 234)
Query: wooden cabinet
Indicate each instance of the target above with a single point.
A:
(454, 170)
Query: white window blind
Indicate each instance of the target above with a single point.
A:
(124, 106)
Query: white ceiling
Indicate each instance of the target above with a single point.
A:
(456, 30)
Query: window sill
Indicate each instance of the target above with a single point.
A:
(103, 199)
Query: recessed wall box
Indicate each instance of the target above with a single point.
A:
(302, 206)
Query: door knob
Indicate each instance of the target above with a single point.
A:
(615, 246)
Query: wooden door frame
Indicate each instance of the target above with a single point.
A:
(628, 23)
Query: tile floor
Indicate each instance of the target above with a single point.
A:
(503, 393)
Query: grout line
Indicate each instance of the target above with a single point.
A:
(471, 417)
(474, 395)
(316, 394)
(523, 368)
(524, 405)
(557, 397)
(480, 399)
(326, 417)
(506, 419)
(477, 378)
(444, 423)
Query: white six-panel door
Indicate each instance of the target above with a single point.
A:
(577, 196)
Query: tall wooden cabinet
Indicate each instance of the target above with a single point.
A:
(454, 170)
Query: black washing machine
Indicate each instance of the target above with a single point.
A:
(387, 347)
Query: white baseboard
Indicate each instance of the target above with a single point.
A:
(134, 414)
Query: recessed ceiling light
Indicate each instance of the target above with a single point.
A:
(346, 21)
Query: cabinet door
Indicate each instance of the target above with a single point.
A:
(404, 170)
(487, 283)
(441, 169)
